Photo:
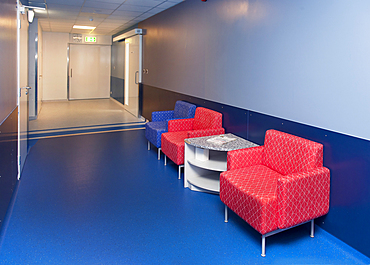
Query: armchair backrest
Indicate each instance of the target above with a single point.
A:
(287, 154)
(184, 110)
(207, 119)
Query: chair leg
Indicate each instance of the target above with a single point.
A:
(159, 153)
(180, 166)
(226, 215)
(148, 145)
(263, 246)
(313, 228)
(165, 160)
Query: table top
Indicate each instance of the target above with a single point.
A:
(238, 143)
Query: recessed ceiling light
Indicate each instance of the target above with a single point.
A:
(83, 27)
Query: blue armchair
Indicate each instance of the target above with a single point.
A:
(158, 125)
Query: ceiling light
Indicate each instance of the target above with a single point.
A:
(83, 27)
(31, 15)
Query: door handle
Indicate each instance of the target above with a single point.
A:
(26, 87)
(71, 72)
(137, 72)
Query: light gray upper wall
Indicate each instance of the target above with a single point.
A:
(306, 61)
(8, 55)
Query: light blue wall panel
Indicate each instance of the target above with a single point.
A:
(306, 61)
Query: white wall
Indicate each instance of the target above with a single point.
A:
(55, 65)
(100, 39)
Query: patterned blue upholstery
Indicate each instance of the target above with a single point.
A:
(158, 125)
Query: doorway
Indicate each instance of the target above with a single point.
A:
(89, 71)
(133, 73)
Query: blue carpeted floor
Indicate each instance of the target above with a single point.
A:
(105, 199)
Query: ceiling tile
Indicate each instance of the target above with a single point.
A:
(126, 13)
(148, 3)
(126, 7)
(69, 8)
(110, 16)
(94, 15)
(97, 10)
(109, 1)
(166, 5)
(105, 5)
(66, 2)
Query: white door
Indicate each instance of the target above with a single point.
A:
(133, 73)
(23, 117)
(89, 71)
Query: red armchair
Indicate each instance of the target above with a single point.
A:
(278, 185)
(205, 122)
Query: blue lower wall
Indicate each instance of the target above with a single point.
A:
(347, 157)
(117, 87)
(8, 161)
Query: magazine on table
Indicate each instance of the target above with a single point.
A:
(221, 139)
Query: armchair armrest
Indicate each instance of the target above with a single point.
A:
(303, 196)
(162, 115)
(180, 125)
(244, 157)
(205, 132)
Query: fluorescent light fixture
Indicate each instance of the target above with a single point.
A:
(83, 27)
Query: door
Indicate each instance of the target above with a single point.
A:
(23, 105)
(89, 71)
(133, 73)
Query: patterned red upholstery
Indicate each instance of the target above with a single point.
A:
(278, 185)
(206, 122)
(287, 153)
(206, 119)
(180, 125)
(173, 144)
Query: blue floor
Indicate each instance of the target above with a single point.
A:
(105, 199)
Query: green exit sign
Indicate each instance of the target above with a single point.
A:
(90, 39)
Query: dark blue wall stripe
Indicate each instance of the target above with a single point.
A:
(347, 157)
(8, 161)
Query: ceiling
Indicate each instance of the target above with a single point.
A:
(108, 16)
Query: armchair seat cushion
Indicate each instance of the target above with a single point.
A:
(173, 144)
(154, 130)
(256, 187)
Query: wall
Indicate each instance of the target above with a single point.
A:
(55, 71)
(299, 67)
(8, 51)
(304, 61)
(55, 65)
(8, 103)
(80, 39)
